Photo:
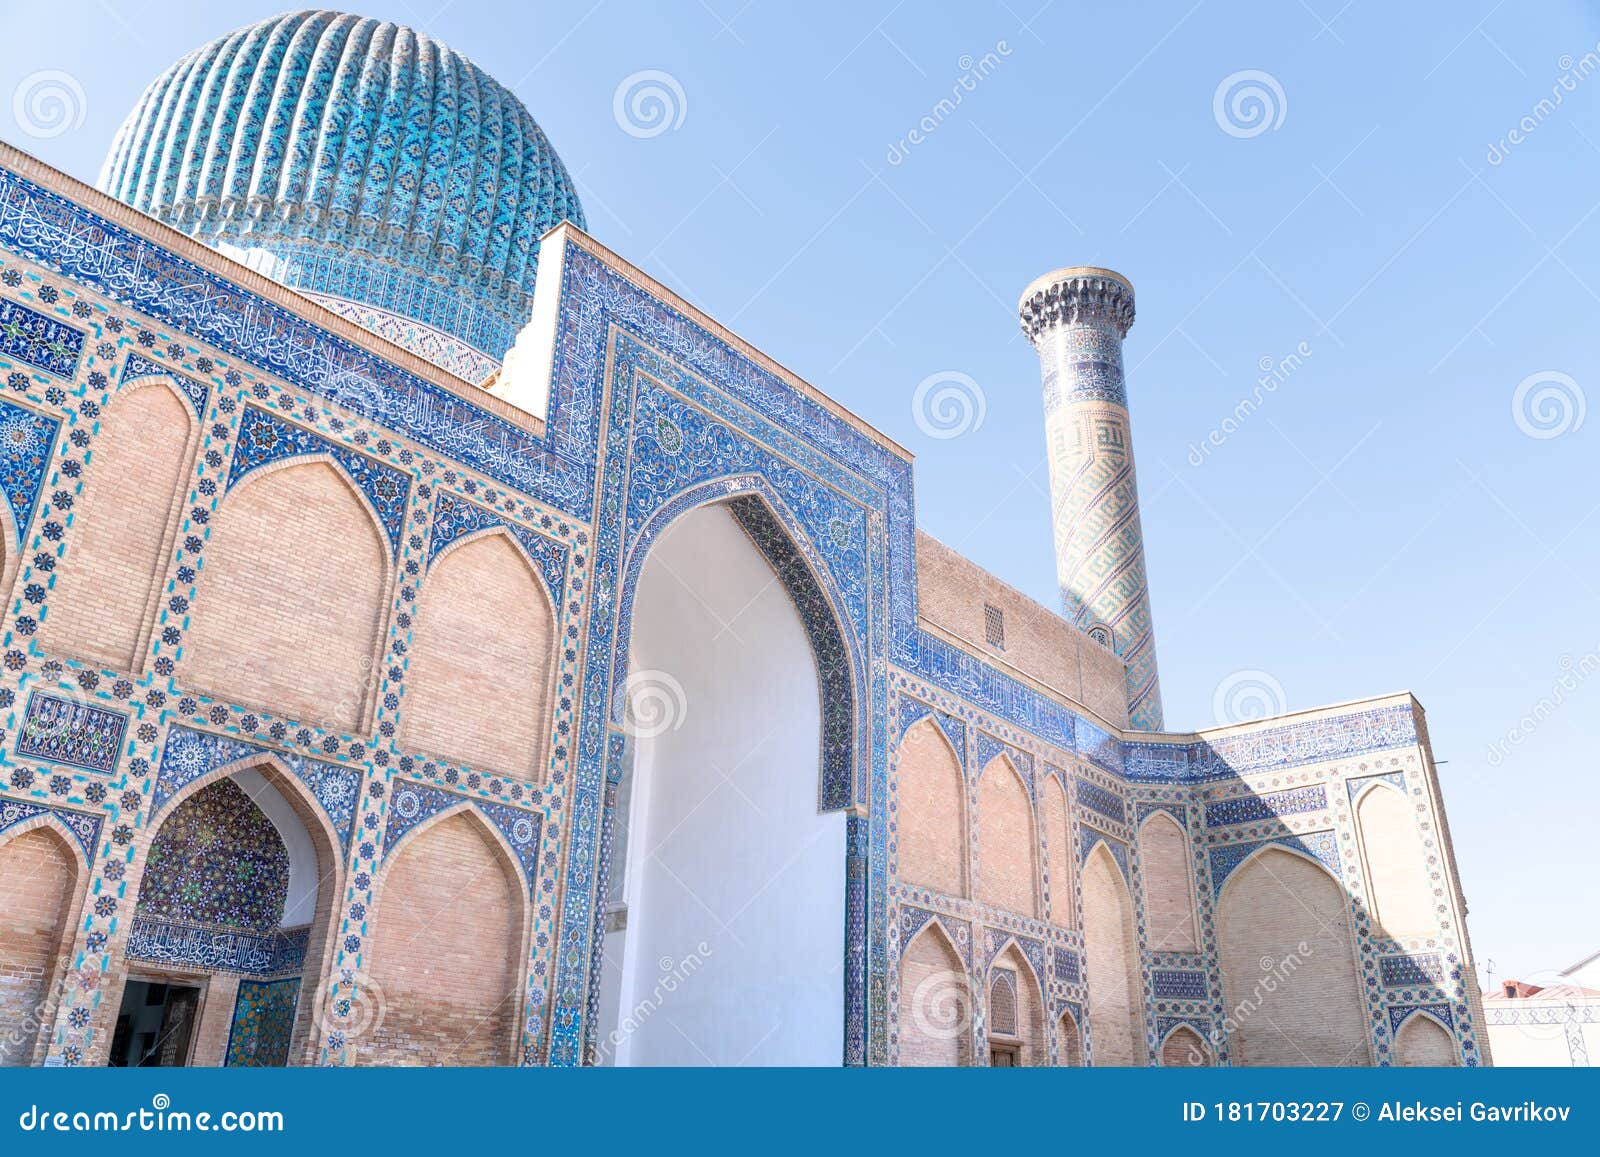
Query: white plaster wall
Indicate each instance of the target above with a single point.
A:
(726, 847)
(301, 904)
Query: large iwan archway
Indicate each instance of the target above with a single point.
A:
(726, 922)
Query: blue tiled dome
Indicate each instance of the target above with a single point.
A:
(358, 161)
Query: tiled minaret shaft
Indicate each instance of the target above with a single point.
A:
(1076, 319)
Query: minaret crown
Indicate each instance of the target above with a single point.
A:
(1079, 295)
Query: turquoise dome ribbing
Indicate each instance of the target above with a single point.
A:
(356, 159)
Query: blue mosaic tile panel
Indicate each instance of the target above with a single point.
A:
(1404, 971)
(232, 950)
(190, 754)
(263, 1023)
(1175, 984)
(26, 439)
(455, 517)
(39, 340)
(64, 730)
(1088, 837)
(1102, 800)
(85, 829)
(1319, 845)
(196, 393)
(1400, 1013)
(1395, 779)
(217, 862)
(1246, 809)
(1291, 745)
(265, 438)
(1067, 967)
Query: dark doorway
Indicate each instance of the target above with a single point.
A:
(155, 1025)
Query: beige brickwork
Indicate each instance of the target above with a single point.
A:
(291, 599)
(1423, 1042)
(38, 891)
(1168, 885)
(932, 805)
(1397, 869)
(1007, 846)
(1069, 1041)
(1116, 1021)
(477, 691)
(951, 594)
(122, 531)
(1289, 965)
(1058, 849)
(1028, 1039)
(1183, 1049)
(935, 1002)
(445, 953)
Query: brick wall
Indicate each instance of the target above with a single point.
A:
(1310, 1011)
(1007, 866)
(1183, 1049)
(477, 690)
(292, 592)
(1168, 893)
(38, 887)
(1069, 1041)
(1397, 870)
(1111, 952)
(1423, 1042)
(931, 806)
(1058, 848)
(121, 531)
(445, 952)
(935, 1003)
(1032, 1049)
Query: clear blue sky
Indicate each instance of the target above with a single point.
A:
(1381, 523)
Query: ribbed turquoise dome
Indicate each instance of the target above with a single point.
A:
(356, 160)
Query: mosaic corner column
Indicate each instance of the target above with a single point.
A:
(1077, 319)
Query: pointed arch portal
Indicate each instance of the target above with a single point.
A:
(725, 922)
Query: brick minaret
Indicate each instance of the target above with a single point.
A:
(1076, 319)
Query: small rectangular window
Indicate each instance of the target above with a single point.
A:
(994, 625)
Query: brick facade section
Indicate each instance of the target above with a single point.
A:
(1397, 868)
(1183, 1049)
(1422, 1042)
(38, 887)
(1164, 866)
(951, 593)
(1069, 1041)
(446, 950)
(121, 531)
(1007, 846)
(292, 592)
(478, 688)
(935, 1003)
(1314, 1014)
(1111, 958)
(931, 796)
(1032, 1048)
(1058, 850)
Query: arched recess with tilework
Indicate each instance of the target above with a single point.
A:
(42, 875)
(1111, 951)
(121, 530)
(1069, 1041)
(1058, 853)
(1183, 1049)
(1287, 952)
(1403, 903)
(479, 684)
(1423, 1042)
(935, 1021)
(246, 856)
(450, 939)
(292, 596)
(931, 811)
(1008, 852)
(724, 863)
(1168, 876)
(1015, 1020)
